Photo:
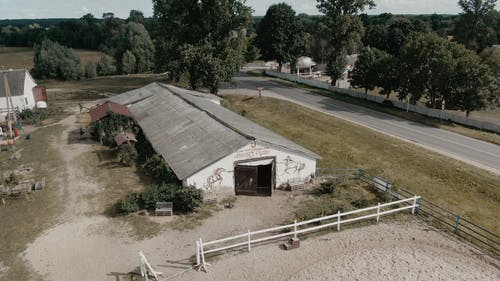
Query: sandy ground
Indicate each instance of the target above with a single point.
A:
(387, 251)
(90, 246)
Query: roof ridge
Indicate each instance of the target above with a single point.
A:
(247, 136)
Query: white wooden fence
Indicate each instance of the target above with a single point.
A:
(249, 238)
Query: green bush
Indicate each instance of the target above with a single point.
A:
(113, 124)
(127, 154)
(188, 199)
(360, 203)
(53, 60)
(90, 70)
(327, 187)
(158, 169)
(130, 204)
(158, 193)
(184, 199)
(106, 66)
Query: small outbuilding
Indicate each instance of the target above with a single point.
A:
(213, 148)
(101, 111)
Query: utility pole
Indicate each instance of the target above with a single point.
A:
(7, 95)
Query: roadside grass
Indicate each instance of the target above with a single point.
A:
(459, 187)
(24, 219)
(412, 116)
(22, 57)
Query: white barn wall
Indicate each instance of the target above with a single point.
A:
(19, 101)
(29, 84)
(219, 176)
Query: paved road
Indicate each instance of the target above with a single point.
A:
(479, 153)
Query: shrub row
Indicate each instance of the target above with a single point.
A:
(185, 199)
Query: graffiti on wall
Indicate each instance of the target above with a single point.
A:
(291, 166)
(214, 179)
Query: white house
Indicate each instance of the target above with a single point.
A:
(21, 86)
(213, 148)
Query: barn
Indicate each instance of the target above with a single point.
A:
(21, 86)
(213, 148)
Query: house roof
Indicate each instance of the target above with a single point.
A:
(191, 130)
(124, 137)
(16, 79)
(101, 111)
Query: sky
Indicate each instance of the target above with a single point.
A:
(18, 9)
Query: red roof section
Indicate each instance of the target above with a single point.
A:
(103, 110)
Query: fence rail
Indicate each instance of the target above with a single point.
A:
(203, 248)
(445, 219)
(435, 113)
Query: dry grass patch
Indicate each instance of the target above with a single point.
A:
(23, 220)
(462, 188)
(22, 57)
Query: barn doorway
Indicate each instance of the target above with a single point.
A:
(256, 180)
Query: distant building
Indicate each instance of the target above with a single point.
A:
(22, 87)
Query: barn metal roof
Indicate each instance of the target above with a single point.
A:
(15, 79)
(191, 130)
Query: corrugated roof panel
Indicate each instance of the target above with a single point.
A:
(190, 130)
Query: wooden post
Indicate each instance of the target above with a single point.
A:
(457, 224)
(414, 205)
(249, 242)
(295, 229)
(197, 253)
(203, 265)
(338, 220)
(378, 212)
(260, 89)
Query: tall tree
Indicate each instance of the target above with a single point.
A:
(278, 35)
(345, 30)
(477, 23)
(364, 74)
(192, 31)
(136, 16)
(135, 39)
(53, 60)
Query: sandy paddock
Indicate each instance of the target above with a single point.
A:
(387, 251)
(89, 246)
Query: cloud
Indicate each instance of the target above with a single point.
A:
(85, 10)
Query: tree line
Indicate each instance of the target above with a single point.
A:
(436, 57)
(439, 58)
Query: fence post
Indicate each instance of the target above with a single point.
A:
(338, 220)
(249, 241)
(378, 212)
(414, 205)
(197, 252)
(457, 225)
(419, 205)
(295, 229)
(202, 254)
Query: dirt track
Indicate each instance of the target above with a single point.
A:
(90, 246)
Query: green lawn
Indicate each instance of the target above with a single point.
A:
(462, 188)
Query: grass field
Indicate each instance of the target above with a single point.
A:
(22, 57)
(462, 188)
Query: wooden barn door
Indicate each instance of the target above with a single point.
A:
(245, 180)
